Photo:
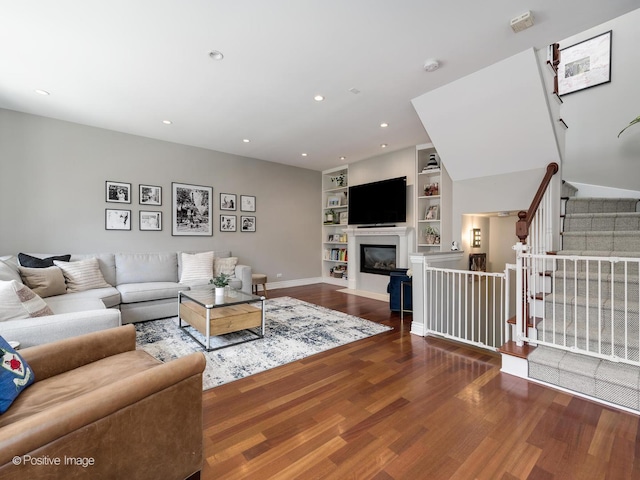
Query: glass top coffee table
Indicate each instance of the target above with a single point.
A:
(213, 315)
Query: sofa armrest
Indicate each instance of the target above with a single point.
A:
(243, 272)
(57, 357)
(50, 328)
(131, 408)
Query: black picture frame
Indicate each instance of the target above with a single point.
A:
(191, 210)
(585, 64)
(228, 223)
(247, 223)
(150, 221)
(116, 219)
(150, 195)
(247, 203)
(228, 201)
(117, 192)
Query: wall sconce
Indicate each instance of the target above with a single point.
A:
(475, 238)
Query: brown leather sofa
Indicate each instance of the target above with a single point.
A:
(101, 409)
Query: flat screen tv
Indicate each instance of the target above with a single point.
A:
(378, 203)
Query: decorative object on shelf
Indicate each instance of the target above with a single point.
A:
(333, 201)
(150, 221)
(117, 219)
(585, 64)
(433, 163)
(247, 224)
(339, 271)
(247, 203)
(227, 223)
(432, 236)
(476, 237)
(478, 262)
(431, 189)
(339, 180)
(432, 213)
(192, 207)
(344, 218)
(329, 216)
(632, 122)
(227, 201)
(118, 192)
(454, 246)
(150, 195)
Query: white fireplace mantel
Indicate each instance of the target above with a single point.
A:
(355, 236)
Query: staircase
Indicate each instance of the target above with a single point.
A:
(594, 305)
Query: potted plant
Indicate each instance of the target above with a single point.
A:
(329, 216)
(432, 236)
(219, 282)
(632, 122)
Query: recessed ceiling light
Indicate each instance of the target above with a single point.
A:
(167, 122)
(343, 158)
(431, 65)
(384, 124)
(42, 92)
(216, 55)
(304, 154)
(383, 145)
(246, 140)
(318, 98)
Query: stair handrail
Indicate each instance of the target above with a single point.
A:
(526, 217)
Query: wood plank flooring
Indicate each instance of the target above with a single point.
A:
(398, 406)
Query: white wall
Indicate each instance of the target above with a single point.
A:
(593, 153)
(52, 195)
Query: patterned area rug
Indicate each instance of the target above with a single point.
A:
(294, 330)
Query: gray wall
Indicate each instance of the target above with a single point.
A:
(52, 195)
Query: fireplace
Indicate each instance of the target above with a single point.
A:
(377, 259)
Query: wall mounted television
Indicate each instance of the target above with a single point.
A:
(378, 203)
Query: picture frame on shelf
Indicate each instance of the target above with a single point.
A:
(227, 223)
(247, 203)
(247, 223)
(585, 64)
(117, 192)
(150, 195)
(344, 218)
(432, 212)
(150, 221)
(228, 201)
(191, 207)
(117, 219)
(333, 201)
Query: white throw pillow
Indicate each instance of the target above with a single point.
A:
(225, 265)
(82, 275)
(197, 268)
(18, 301)
(45, 282)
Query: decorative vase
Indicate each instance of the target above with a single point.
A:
(430, 239)
(219, 291)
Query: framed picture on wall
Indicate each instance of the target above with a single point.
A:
(150, 221)
(117, 219)
(247, 224)
(118, 192)
(191, 207)
(227, 201)
(227, 223)
(585, 64)
(247, 203)
(150, 195)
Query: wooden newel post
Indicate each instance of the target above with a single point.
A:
(522, 227)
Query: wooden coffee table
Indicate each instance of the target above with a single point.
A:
(212, 315)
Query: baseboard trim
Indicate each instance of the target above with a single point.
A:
(293, 283)
(362, 293)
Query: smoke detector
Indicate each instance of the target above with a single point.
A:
(522, 22)
(431, 65)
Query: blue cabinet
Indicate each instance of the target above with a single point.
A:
(398, 279)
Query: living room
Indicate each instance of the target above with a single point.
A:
(54, 172)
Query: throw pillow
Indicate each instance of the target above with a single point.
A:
(197, 268)
(15, 375)
(225, 265)
(18, 301)
(35, 262)
(82, 275)
(8, 272)
(45, 282)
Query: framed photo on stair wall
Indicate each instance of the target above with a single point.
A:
(191, 209)
(585, 64)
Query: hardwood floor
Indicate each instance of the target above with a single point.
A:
(399, 406)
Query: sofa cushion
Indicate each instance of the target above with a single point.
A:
(15, 375)
(9, 271)
(197, 268)
(216, 254)
(225, 265)
(18, 301)
(106, 262)
(70, 303)
(44, 281)
(36, 262)
(146, 267)
(144, 292)
(82, 275)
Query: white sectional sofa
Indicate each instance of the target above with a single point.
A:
(141, 286)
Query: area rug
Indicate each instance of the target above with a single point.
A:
(294, 330)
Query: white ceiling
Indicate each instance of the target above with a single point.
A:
(127, 65)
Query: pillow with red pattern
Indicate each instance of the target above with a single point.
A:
(15, 375)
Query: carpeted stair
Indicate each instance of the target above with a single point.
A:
(594, 227)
